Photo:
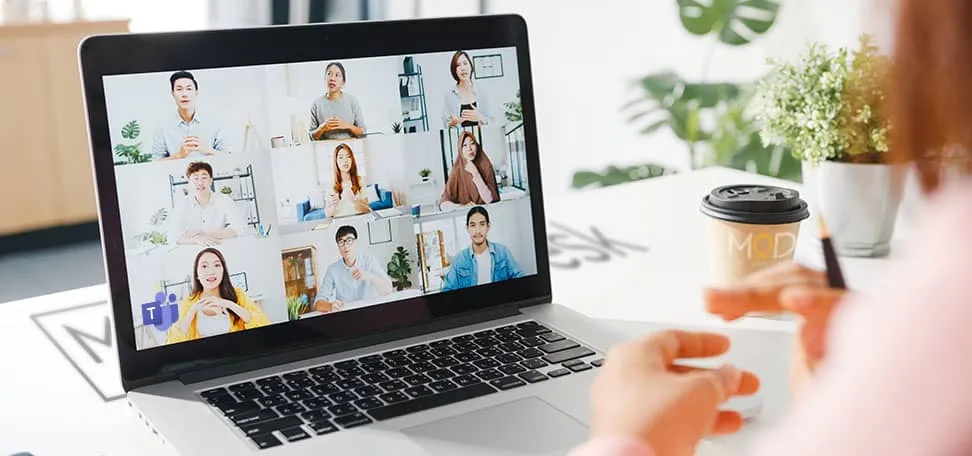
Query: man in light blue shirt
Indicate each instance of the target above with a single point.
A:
(185, 134)
(352, 278)
(482, 262)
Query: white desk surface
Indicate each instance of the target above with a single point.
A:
(644, 266)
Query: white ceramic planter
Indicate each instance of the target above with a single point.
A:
(859, 202)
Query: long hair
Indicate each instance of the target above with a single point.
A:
(226, 290)
(355, 179)
(930, 95)
(459, 186)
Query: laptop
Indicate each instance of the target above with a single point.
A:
(330, 239)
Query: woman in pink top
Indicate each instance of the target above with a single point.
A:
(890, 375)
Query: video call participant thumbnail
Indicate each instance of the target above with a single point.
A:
(214, 306)
(347, 197)
(465, 105)
(205, 217)
(482, 262)
(185, 134)
(472, 179)
(336, 114)
(354, 277)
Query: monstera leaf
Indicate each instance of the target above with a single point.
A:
(735, 22)
(614, 175)
(668, 100)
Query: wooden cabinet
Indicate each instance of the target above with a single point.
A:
(45, 167)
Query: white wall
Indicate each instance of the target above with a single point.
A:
(231, 97)
(438, 82)
(327, 252)
(373, 81)
(424, 150)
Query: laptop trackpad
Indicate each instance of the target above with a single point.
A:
(526, 426)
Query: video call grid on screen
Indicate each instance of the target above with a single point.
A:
(259, 195)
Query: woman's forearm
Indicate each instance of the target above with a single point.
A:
(239, 310)
(484, 192)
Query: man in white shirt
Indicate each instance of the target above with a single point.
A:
(185, 135)
(205, 217)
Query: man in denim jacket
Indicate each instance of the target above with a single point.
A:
(484, 261)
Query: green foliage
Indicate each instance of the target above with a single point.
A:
(712, 119)
(614, 175)
(296, 307)
(425, 172)
(396, 127)
(226, 190)
(399, 269)
(130, 152)
(827, 105)
(157, 235)
(514, 109)
(735, 22)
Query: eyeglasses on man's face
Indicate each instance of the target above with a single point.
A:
(345, 241)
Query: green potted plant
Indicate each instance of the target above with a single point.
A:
(156, 235)
(226, 190)
(400, 269)
(425, 174)
(129, 152)
(396, 127)
(828, 107)
(296, 306)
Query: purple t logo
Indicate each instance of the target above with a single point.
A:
(161, 313)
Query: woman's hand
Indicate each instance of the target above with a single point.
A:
(471, 168)
(211, 306)
(453, 120)
(472, 115)
(641, 392)
(786, 287)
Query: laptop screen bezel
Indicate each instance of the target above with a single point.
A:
(143, 53)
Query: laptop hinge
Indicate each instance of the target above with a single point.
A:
(312, 351)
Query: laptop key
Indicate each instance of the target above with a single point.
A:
(351, 373)
(368, 403)
(297, 396)
(290, 409)
(465, 380)
(248, 394)
(399, 361)
(244, 418)
(393, 385)
(598, 362)
(343, 396)
(487, 341)
(466, 347)
(486, 333)
(467, 357)
(533, 363)
(464, 369)
(269, 381)
(373, 368)
(275, 388)
(463, 338)
(580, 367)
(230, 408)
(421, 356)
(323, 427)
(394, 397)
(552, 337)
(558, 372)
(319, 370)
(350, 383)
(533, 376)
(428, 402)
(326, 377)
(509, 358)
(315, 415)
(531, 353)
(242, 386)
(416, 380)
(533, 342)
(442, 352)
(368, 391)
(342, 409)
(419, 391)
(352, 420)
(325, 389)
(393, 354)
(399, 372)
(487, 363)
(375, 378)
(422, 367)
(512, 369)
(575, 362)
(441, 374)
(301, 383)
(489, 374)
(265, 427)
(507, 337)
(445, 362)
(511, 347)
(273, 400)
(345, 365)
(567, 355)
(442, 386)
(215, 392)
(440, 344)
(506, 383)
(295, 375)
(527, 324)
(489, 352)
(370, 359)
(317, 403)
(264, 441)
(562, 345)
(417, 348)
(294, 434)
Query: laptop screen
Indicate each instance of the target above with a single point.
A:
(258, 195)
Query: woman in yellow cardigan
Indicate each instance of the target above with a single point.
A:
(213, 294)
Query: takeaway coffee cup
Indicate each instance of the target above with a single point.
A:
(751, 227)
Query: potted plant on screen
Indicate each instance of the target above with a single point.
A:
(400, 269)
(828, 107)
(425, 174)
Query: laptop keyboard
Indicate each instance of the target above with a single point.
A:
(320, 400)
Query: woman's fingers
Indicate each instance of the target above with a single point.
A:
(759, 292)
(727, 422)
(748, 385)
(812, 303)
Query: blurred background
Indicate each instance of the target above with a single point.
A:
(624, 90)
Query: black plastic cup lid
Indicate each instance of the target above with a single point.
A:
(755, 204)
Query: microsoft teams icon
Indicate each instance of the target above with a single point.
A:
(161, 312)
